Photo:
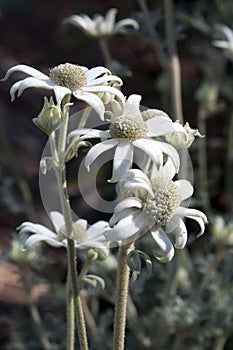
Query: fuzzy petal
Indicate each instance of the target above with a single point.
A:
(96, 150)
(152, 148)
(95, 72)
(29, 227)
(60, 92)
(27, 70)
(30, 82)
(57, 220)
(105, 88)
(91, 133)
(193, 214)
(130, 202)
(93, 100)
(171, 152)
(185, 189)
(122, 160)
(166, 250)
(32, 240)
(126, 228)
(110, 19)
(82, 223)
(177, 227)
(158, 126)
(132, 104)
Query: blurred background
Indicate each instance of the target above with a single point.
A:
(184, 304)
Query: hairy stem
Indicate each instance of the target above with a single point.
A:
(121, 298)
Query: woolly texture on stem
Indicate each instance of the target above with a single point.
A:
(121, 298)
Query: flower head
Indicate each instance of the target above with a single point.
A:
(183, 139)
(70, 79)
(83, 236)
(128, 132)
(227, 44)
(101, 26)
(154, 205)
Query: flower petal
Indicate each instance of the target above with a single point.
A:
(130, 202)
(165, 251)
(152, 148)
(110, 19)
(126, 228)
(32, 240)
(105, 88)
(107, 78)
(82, 223)
(171, 152)
(132, 104)
(122, 160)
(93, 100)
(159, 125)
(90, 133)
(95, 72)
(177, 227)
(120, 26)
(185, 189)
(29, 227)
(96, 150)
(57, 220)
(193, 214)
(30, 82)
(27, 70)
(60, 92)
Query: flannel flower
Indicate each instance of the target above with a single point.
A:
(129, 132)
(101, 26)
(83, 237)
(70, 79)
(154, 205)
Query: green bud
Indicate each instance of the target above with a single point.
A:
(49, 118)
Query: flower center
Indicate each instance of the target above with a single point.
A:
(128, 128)
(159, 209)
(79, 234)
(68, 75)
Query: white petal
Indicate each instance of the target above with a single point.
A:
(110, 18)
(168, 170)
(130, 202)
(120, 26)
(122, 160)
(37, 238)
(60, 92)
(185, 189)
(135, 174)
(95, 72)
(193, 214)
(27, 70)
(94, 101)
(116, 217)
(139, 185)
(160, 126)
(57, 220)
(105, 88)
(221, 44)
(107, 78)
(82, 223)
(77, 21)
(96, 150)
(171, 152)
(21, 85)
(132, 104)
(152, 148)
(177, 227)
(166, 250)
(91, 133)
(126, 228)
(29, 227)
(96, 231)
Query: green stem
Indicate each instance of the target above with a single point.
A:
(73, 299)
(70, 336)
(121, 298)
(229, 164)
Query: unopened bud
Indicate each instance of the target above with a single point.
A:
(49, 118)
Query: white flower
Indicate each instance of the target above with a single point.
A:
(101, 26)
(226, 45)
(69, 79)
(129, 132)
(84, 237)
(154, 205)
(183, 139)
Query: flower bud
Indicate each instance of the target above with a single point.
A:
(183, 139)
(49, 118)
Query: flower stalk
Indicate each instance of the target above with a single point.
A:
(121, 298)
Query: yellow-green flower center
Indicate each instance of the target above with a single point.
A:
(159, 209)
(128, 128)
(68, 75)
